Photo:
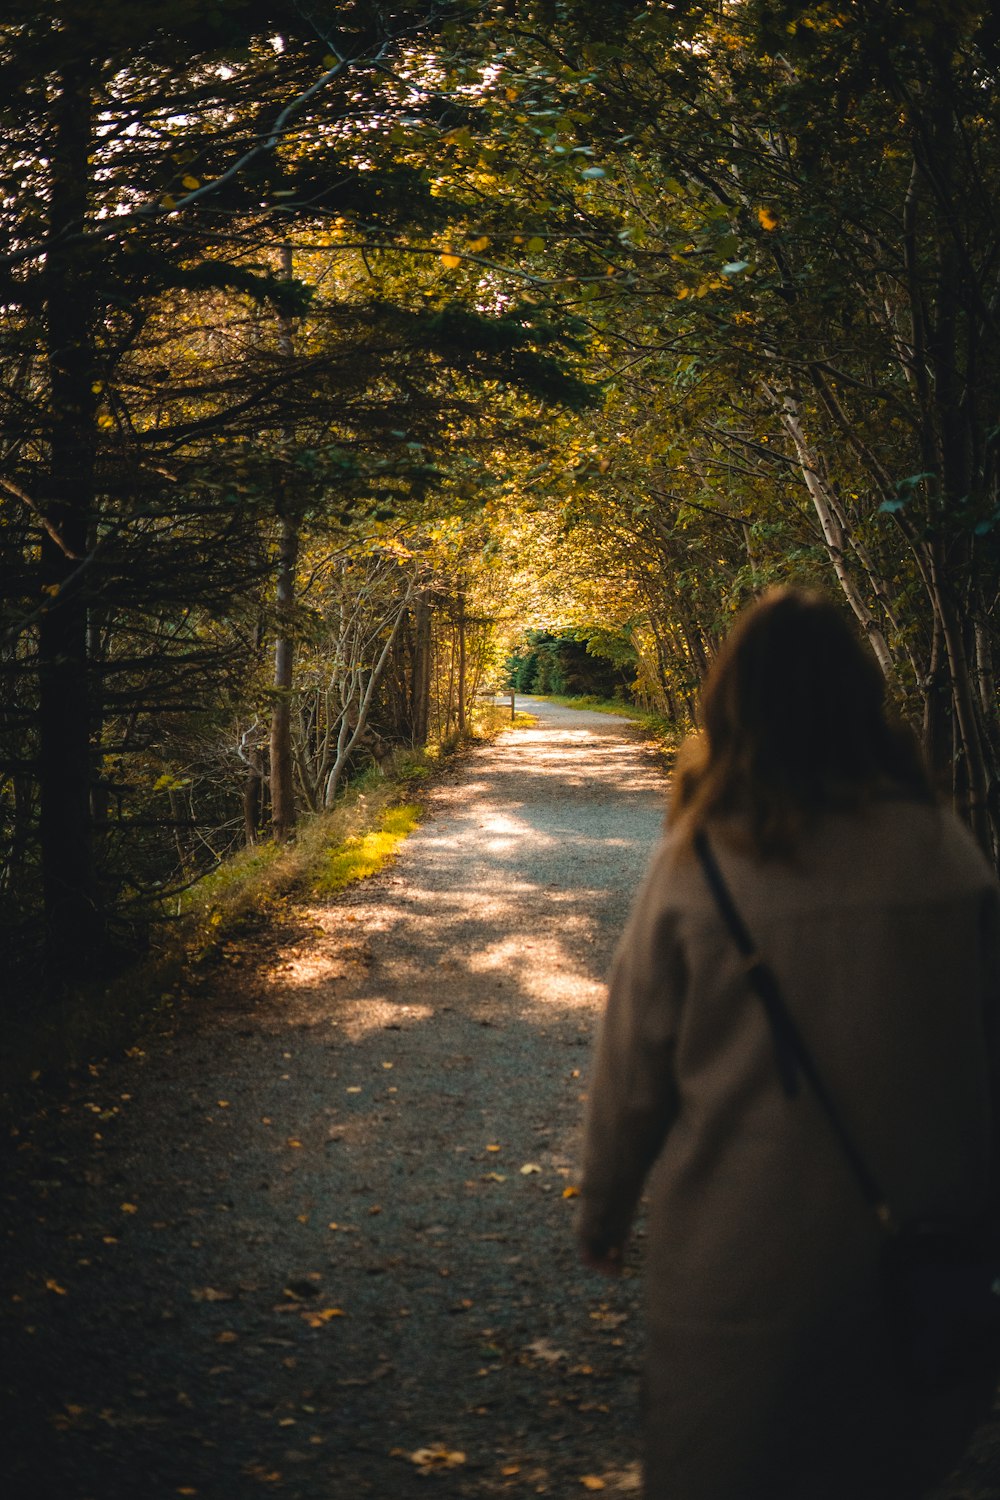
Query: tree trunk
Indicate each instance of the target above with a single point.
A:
(421, 681)
(253, 791)
(73, 924)
(462, 670)
(282, 760)
(973, 749)
(830, 520)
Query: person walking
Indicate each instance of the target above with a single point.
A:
(771, 1371)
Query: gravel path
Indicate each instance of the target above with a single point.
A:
(314, 1237)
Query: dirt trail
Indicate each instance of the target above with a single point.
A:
(320, 1223)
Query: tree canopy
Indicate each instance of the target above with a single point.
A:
(344, 345)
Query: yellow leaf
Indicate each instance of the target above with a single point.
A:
(768, 218)
(129, 1208)
(222, 1103)
(591, 1482)
(682, 294)
(325, 1314)
(190, 183)
(493, 1148)
(330, 61)
(529, 1167)
(571, 1192)
(450, 260)
(480, 244)
(387, 1065)
(53, 1286)
(437, 1457)
(226, 1337)
(293, 1143)
(168, 202)
(535, 244)
(104, 420)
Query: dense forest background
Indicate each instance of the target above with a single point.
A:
(345, 342)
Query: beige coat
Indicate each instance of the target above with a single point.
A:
(768, 1373)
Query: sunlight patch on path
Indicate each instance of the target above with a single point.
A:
(517, 881)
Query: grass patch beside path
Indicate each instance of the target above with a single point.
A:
(659, 728)
(365, 854)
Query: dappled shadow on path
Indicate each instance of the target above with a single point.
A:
(326, 1224)
(314, 1238)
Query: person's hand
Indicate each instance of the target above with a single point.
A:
(607, 1262)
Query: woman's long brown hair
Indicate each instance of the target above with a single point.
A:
(793, 725)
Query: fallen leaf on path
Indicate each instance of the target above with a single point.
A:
(53, 1286)
(591, 1482)
(493, 1177)
(529, 1167)
(129, 1208)
(509, 1469)
(493, 1148)
(571, 1192)
(226, 1337)
(294, 1143)
(210, 1294)
(354, 1089)
(324, 1315)
(437, 1457)
(543, 1349)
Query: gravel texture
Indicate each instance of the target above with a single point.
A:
(314, 1237)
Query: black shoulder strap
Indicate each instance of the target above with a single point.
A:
(792, 1055)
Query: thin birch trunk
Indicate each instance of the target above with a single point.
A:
(832, 529)
(283, 811)
(461, 661)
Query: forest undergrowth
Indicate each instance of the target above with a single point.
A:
(256, 888)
